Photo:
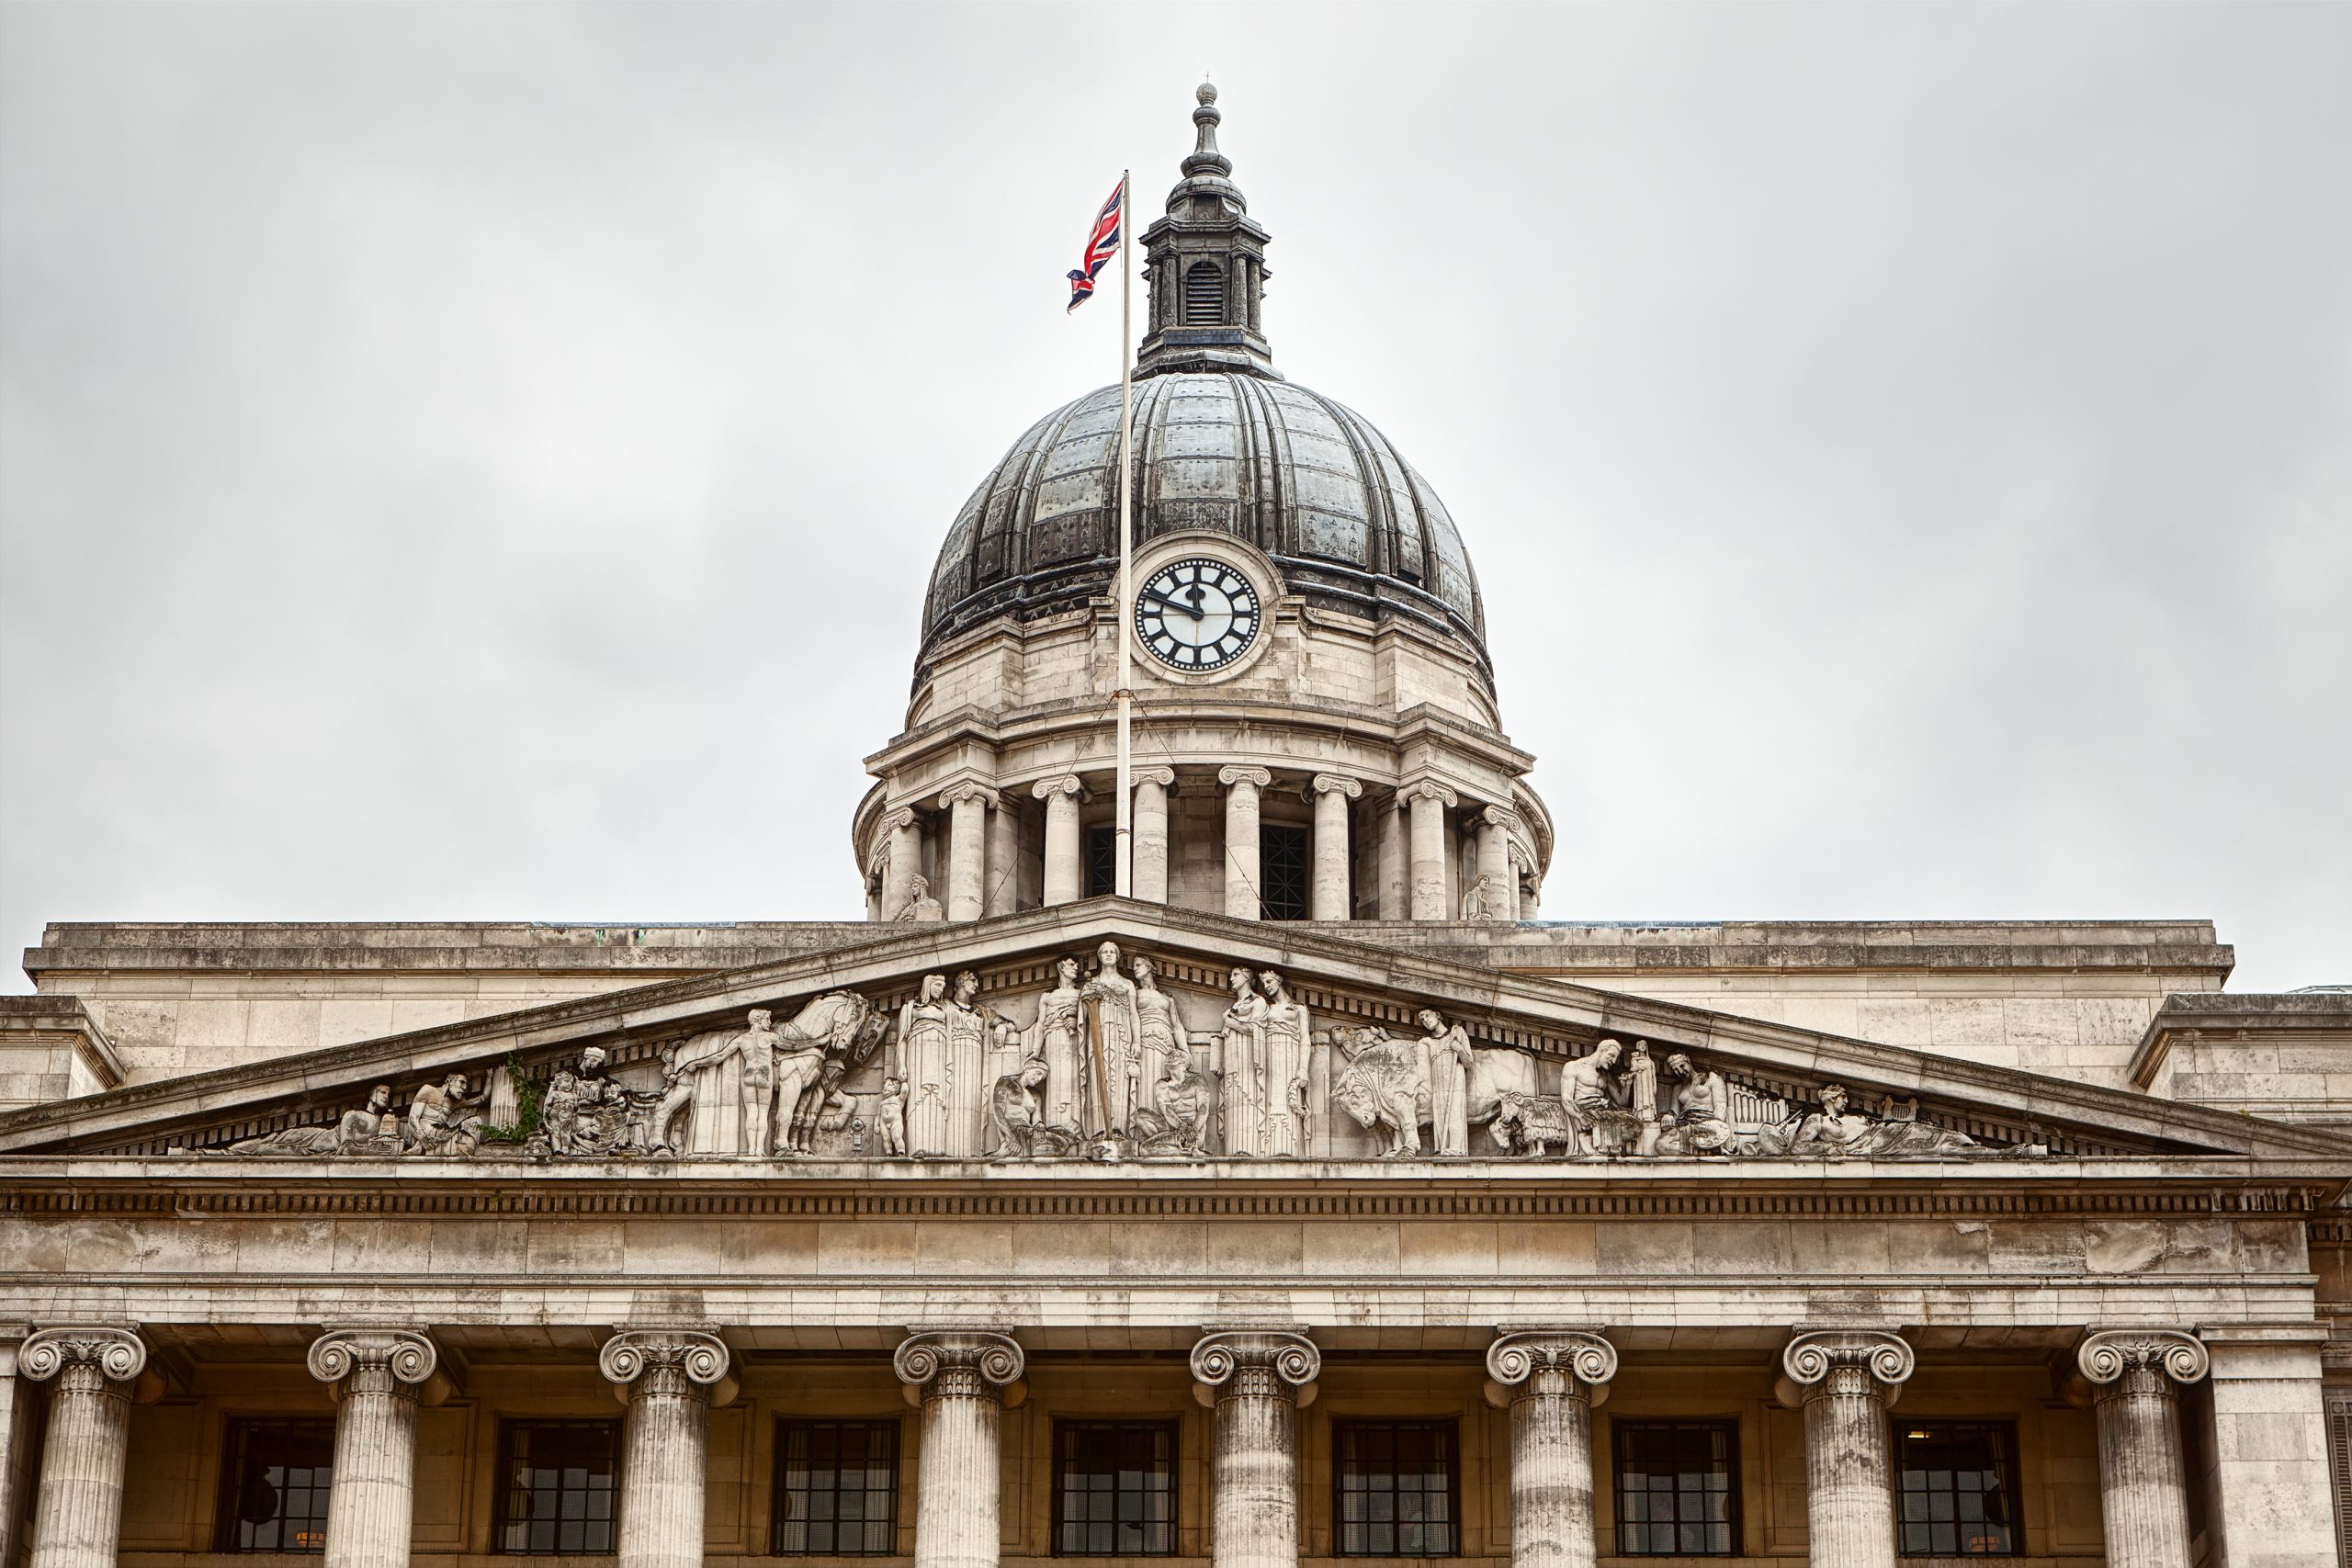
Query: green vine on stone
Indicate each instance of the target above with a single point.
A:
(528, 1095)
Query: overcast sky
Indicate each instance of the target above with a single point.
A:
(484, 461)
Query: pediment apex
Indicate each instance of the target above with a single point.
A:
(1350, 992)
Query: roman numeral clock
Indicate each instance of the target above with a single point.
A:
(1198, 613)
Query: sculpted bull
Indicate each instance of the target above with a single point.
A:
(1385, 1087)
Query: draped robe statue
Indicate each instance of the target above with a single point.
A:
(924, 1052)
(1243, 1047)
(1447, 1051)
(1061, 1043)
(969, 1025)
(1115, 1046)
(1287, 1037)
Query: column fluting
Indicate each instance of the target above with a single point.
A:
(667, 1375)
(77, 1516)
(1257, 1379)
(1333, 895)
(2143, 1485)
(1552, 1378)
(1064, 881)
(967, 807)
(1425, 868)
(1243, 894)
(1495, 825)
(1846, 1378)
(960, 1376)
(1150, 879)
(377, 1376)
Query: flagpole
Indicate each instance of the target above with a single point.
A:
(1123, 857)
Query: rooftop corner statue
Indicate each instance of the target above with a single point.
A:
(1319, 1173)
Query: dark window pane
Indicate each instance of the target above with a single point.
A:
(1393, 1487)
(1283, 871)
(836, 1488)
(274, 1485)
(1102, 862)
(1676, 1492)
(1954, 1479)
(1114, 1488)
(558, 1484)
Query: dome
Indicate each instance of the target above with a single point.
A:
(1306, 481)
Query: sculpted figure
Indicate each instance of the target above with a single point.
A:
(832, 1037)
(1698, 1114)
(1287, 1054)
(1835, 1133)
(443, 1120)
(357, 1131)
(1061, 1042)
(1446, 1050)
(1479, 902)
(1183, 1101)
(1384, 1086)
(1018, 1116)
(969, 1025)
(1641, 1097)
(920, 904)
(922, 1067)
(1116, 1034)
(1602, 1125)
(890, 1116)
(1529, 1124)
(1241, 1050)
(727, 1078)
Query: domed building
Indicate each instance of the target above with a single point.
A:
(1318, 734)
(1316, 1202)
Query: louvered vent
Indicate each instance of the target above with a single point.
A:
(2339, 1470)
(1203, 295)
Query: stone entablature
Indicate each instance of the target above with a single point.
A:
(2285, 1055)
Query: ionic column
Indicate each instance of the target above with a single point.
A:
(2143, 1490)
(1425, 866)
(1552, 1378)
(905, 863)
(77, 1518)
(666, 1377)
(1255, 1379)
(1844, 1378)
(967, 806)
(1150, 878)
(1495, 825)
(377, 1377)
(959, 1377)
(1242, 895)
(1064, 878)
(1332, 793)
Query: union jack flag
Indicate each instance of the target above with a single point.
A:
(1102, 244)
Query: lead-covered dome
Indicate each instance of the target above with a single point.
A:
(1305, 480)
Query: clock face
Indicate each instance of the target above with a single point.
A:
(1197, 613)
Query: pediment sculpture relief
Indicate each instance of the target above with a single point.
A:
(1112, 1063)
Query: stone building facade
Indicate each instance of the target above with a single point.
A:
(1320, 1201)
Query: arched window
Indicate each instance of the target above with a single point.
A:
(1204, 294)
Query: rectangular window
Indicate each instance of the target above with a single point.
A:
(1114, 1485)
(1678, 1494)
(836, 1489)
(1396, 1489)
(1955, 1483)
(275, 1485)
(558, 1487)
(1102, 862)
(1283, 871)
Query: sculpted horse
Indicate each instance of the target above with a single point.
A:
(833, 1037)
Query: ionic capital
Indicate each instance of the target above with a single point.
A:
(1500, 816)
(373, 1361)
(1848, 1360)
(1069, 784)
(970, 789)
(1236, 1363)
(82, 1360)
(1238, 774)
(2112, 1356)
(900, 819)
(1427, 789)
(1164, 777)
(641, 1362)
(1326, 783)
(1551, 1361)
(958, 1363)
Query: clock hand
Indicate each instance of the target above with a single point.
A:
(1181, 609)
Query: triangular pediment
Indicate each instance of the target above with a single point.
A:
(1523, 1033)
